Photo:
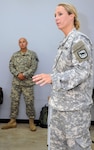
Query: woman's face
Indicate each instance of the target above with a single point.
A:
(63, 19)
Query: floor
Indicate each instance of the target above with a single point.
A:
(92, 136)
(21, 138)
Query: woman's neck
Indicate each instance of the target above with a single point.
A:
(67, 30)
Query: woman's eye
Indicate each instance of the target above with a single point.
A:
(60, 14)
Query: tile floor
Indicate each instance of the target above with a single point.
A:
(21, 138)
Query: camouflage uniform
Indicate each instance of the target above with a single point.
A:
(25, 63)
(71, 96)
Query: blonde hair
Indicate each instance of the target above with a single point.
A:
(71, 10)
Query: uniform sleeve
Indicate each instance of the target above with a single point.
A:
(34, 64)
(12, 67)
(78, 72)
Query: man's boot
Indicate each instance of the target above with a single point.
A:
(11, 124)
(32, 125)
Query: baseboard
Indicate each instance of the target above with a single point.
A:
(92, 122)
(27, 121)
(19, 121)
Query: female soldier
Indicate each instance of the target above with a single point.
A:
(71, 79)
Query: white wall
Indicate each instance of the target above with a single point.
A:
(34, 20)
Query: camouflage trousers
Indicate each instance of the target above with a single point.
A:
(70, 130)
(49, 118)
(28, 94)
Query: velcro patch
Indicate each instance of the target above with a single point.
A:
(80, 51)
(83, 54)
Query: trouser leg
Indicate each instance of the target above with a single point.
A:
(15, 98)
(28, 93)
(77, 144)
(70, 130)
(57, 136)
(29, 100)
(49, 119)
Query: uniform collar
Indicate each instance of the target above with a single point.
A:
(67, 37)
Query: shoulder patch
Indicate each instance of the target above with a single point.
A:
(83, 54)
(80, 51)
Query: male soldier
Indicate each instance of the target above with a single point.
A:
(22, 65)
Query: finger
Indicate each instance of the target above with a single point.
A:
(39, 82)
(37, 79)
(43, 83)
(38, 75)
(35, 76)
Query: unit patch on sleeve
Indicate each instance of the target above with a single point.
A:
(82, 54)
(80, 51)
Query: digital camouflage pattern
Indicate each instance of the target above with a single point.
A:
(71, 133)
(71, 96)
(72, 75)
(25, 63)
(28, 95)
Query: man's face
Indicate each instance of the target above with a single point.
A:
(22, 43)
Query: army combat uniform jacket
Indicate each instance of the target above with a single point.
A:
(25, 63)
(72, 74)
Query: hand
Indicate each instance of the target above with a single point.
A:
(42, 79)
(21, 76)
